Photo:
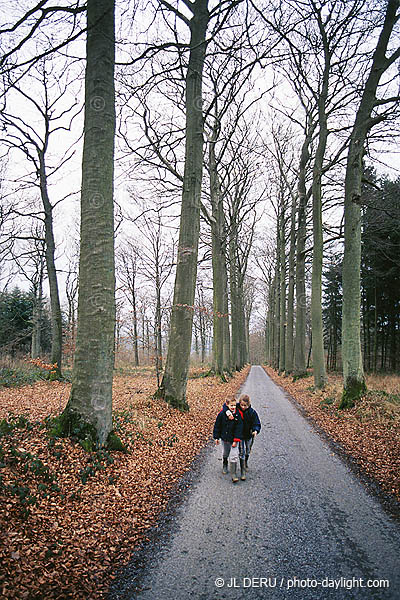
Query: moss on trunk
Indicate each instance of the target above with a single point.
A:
(354, 390)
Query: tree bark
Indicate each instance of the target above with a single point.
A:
(91, 393)
(37, 311)
(277, 299)
(318, 357)
(243, 357)
(282, 293)
(220, 277)
(173, 386)
(50, 248)
(135, 322)
(235, 360)
(289, 355)
(300, 365)
(353, 374)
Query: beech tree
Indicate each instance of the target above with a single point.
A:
(300, 363)
(368, 115)
(90, 401)
(173, 385)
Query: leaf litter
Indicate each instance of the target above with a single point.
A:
(69, 519)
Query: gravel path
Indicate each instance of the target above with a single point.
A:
(301, 526)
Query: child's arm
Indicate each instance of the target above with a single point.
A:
(256, 427)
(217, 428)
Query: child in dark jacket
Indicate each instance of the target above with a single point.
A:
(228, 427)
(251, 428)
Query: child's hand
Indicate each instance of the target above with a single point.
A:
(217, 442)
(234, 444)
(254, 433)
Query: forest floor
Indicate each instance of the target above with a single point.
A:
(369, 433)
(70, 518)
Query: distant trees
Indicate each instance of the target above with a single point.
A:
(18, 323)
(380, 279)
(49, 112)
(380, 273)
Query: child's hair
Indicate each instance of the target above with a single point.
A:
(245, 399)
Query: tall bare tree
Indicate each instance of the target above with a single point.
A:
(91, 394)
(173, 385)
(368, 115)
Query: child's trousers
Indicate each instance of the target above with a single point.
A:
(228, 451)
(245, 447)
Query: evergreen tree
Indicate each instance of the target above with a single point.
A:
(381, 272)
(332, 310)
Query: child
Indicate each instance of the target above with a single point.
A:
(228, 427)
(251, 428)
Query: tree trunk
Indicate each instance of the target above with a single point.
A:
(300, 365)
(56, 318)
(282, 308)
(375, 330)
(227, 335)
(135, 325)
(289, 355)
(220, 278)
(235, 360)
(37, 312)
(91, 393)
(173, 386)
(158, 337)
(277, 307)
(353, 375)
(272, 322)
(243, 358)
(202, 339)
(318, 357)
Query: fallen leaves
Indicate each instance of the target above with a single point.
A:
(62, 538)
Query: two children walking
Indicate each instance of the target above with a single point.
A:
(236, 426)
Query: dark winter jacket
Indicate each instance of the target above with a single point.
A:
(228, 430)
(251, 421)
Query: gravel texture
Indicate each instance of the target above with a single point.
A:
(300, 524)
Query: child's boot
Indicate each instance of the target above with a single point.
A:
(242, 470)
(224, 465)
(245, 462)
(235, 478)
